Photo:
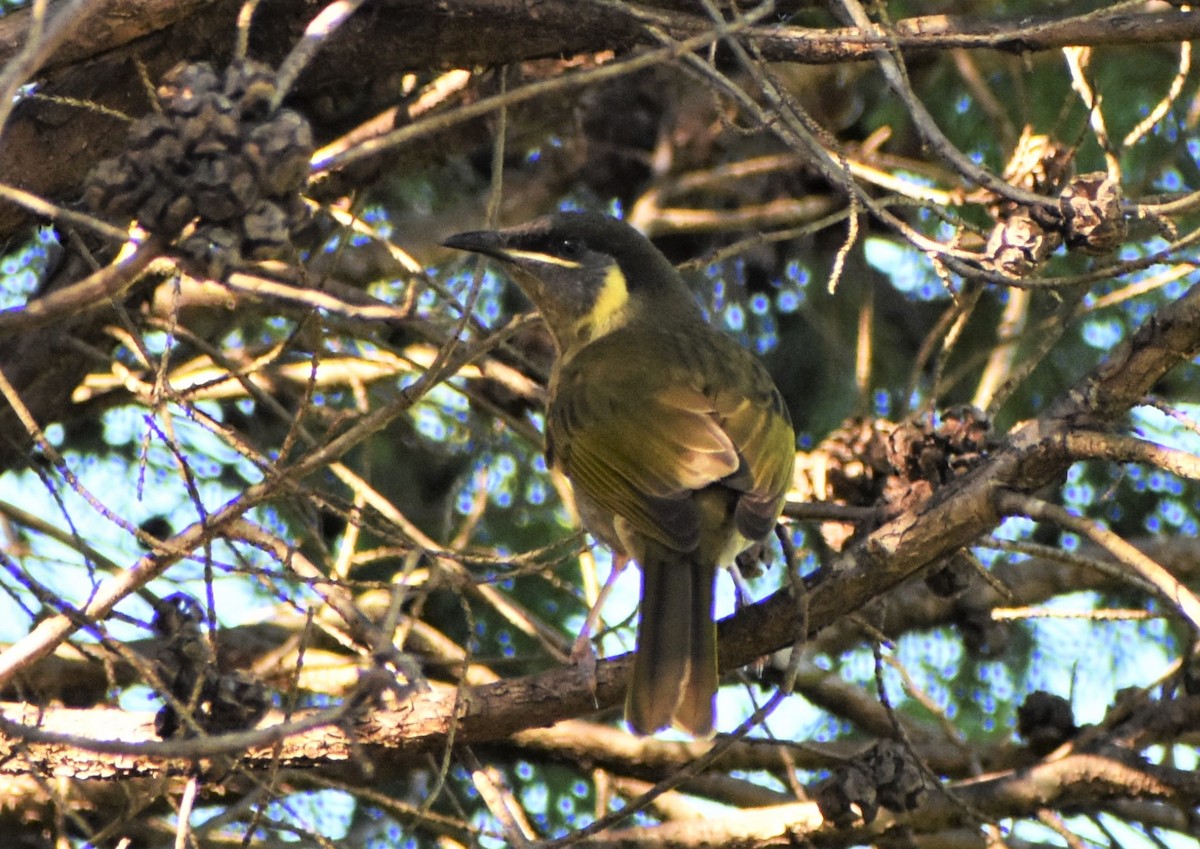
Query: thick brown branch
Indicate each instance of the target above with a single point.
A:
(51, 143)
(1074, 779)
(943, 32)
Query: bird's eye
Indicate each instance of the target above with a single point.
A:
(571, 247)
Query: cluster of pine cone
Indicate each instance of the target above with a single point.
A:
(1088, 216)
(217, 159)
(896, 466)
(886, 775)
(214, 701)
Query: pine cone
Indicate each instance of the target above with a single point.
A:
(1019, 245)
(1092, 218)
(1045, 721)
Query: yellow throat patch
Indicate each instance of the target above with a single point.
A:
(608, 312)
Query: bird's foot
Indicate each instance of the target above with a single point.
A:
(584, 659)
(583, 653)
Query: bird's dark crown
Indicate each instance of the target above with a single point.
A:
(581, 238)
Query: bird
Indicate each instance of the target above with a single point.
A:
(677, 443)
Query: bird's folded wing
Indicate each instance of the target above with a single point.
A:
(640, 454)
(759, 427)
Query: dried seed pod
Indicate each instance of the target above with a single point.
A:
(1092, 217)
(213, 250)
(280, 150)
(112, 187)
(857, 461)
(183, 83)
(1019, 245)
(158, 211)
(165, 159)
(146, 131)
(175, 214)
(298, 211)
(899, 780)
(846, 795)
(893, 466)
(188, 671)
(1038, 164)
(223, 188)
(252, 85)
(265, 228)
(885, 775)
(213, 130)
(176, 613)
(965, 432)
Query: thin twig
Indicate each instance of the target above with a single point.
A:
(319, 29)
(92, 292)
(1178, 596)
(1093, 445)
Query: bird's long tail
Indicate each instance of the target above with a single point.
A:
(675, 670)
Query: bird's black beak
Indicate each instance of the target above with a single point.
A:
(486, 242)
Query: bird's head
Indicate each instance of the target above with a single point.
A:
(588, 274)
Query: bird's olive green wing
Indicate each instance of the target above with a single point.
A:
(639, 439)
(757, 421)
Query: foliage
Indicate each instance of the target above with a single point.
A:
(966, 255)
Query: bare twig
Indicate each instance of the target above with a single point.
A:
(1089, 445)
(319, 29)
(93, 292)
(1180, 598)
(1163, 106)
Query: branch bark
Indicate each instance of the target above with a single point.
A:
(51, 142)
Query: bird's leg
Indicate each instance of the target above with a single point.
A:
(582, 653)
(750, 563)
(741, 589)
(783, 533)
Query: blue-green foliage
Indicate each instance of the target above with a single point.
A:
(137, 478)
(905, 267)
(22, 267)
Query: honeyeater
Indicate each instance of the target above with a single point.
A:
(675, 439)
